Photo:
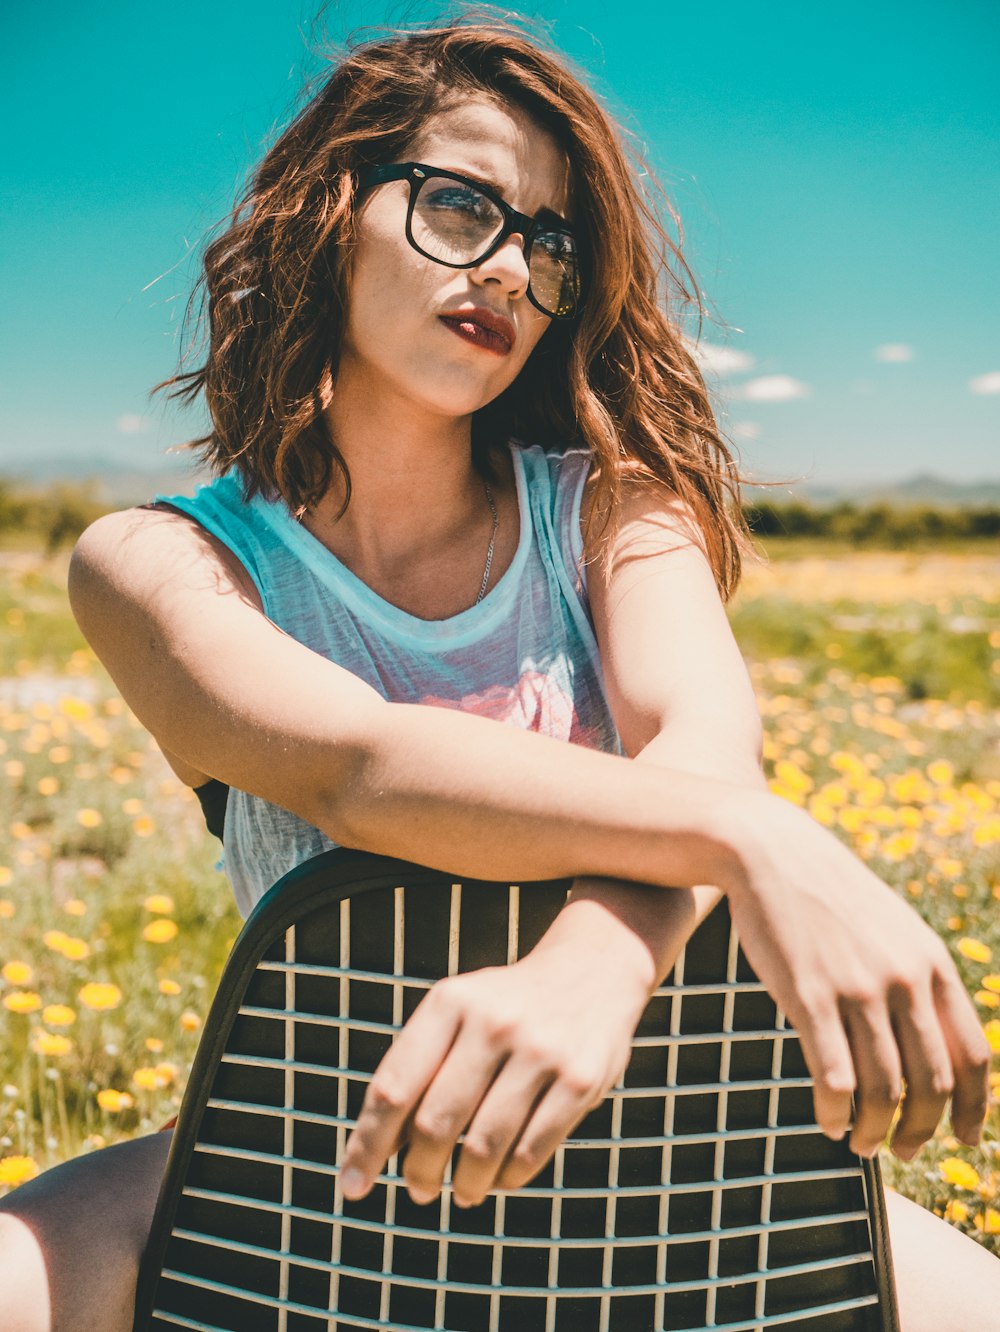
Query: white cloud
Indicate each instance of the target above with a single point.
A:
(895, 352)
(988, 383)
(722, 361)
(133, 424)
(745, 430)
(774, 388)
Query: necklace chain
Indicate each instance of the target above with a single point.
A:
(493, 537)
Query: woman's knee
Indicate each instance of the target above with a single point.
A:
(944, 1280)
(71, 1239)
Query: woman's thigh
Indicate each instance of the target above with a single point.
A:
(70, 1240)
(945, 1281)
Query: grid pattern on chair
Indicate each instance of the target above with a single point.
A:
(719, 1205)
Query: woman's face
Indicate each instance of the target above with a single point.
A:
(404, 333)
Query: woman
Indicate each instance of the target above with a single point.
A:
(444, 252)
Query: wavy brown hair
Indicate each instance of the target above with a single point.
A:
(619, 380)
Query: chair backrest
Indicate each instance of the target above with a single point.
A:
(699, 1194)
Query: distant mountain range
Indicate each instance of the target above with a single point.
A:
(924, 488)
(122, 482)
(115, 480)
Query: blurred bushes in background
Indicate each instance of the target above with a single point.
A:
(881, 525)
(55, 515)
(52, 516)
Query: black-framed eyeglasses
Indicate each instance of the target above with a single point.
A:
(460, 222)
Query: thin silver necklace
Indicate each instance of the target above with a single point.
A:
(489, 553)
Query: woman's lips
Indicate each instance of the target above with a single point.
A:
(472, 329)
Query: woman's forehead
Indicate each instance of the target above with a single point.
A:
(501, 145)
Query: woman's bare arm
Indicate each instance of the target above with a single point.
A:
(173, 618)
(869, 987)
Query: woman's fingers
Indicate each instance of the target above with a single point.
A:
(879, 1071)
(394, 1092)
(969, 1054)
(831, 1065)
(449, 1104)
(555, 1116)
(927, 1068)
(497, 1128)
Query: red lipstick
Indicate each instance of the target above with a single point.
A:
(483, 328)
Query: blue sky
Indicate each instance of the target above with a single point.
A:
(837, 169)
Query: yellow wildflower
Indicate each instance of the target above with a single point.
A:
(154, 1079)
(941, 772)
(169, 987)
(991, 983)
(790, 774)
(949, 866)
(48, 786)
(60, 754)
(989, 1223)
(899, 846)
(26, 1001)
(17, 973)
(89, 818)
(58, 1015)
(987, 999)
(7, 907)
(16, 1170)
(100, 995)
(115, 1101)
(154, 1045)
(987, 832)
(974, 950)
(76, 709)
(956, 1211)
(143, 826)
(991, 1031)
(960, 1173)
(49, 1043)
(190, 1021)
(71, 947)
(160, 931)
(159, 904)
(75, 907)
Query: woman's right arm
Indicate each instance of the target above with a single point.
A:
(178, 624)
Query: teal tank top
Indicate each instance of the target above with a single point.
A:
(525, 655)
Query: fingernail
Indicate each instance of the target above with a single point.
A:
(904, 1153)
(353, 1182)
(421, 1196)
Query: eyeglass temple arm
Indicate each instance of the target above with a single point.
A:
(367, 176)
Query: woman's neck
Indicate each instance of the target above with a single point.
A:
(413, 487)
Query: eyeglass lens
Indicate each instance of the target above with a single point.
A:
(455, 224)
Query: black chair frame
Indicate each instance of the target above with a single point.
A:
(699, 1195)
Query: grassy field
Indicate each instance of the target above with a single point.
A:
(879, 679)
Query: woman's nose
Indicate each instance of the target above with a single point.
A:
(506, 266)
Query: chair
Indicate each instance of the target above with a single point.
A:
(716, 1204)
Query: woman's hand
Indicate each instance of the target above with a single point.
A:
(869, 987)
(513, 1057)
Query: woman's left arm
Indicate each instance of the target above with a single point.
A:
(679, 693)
